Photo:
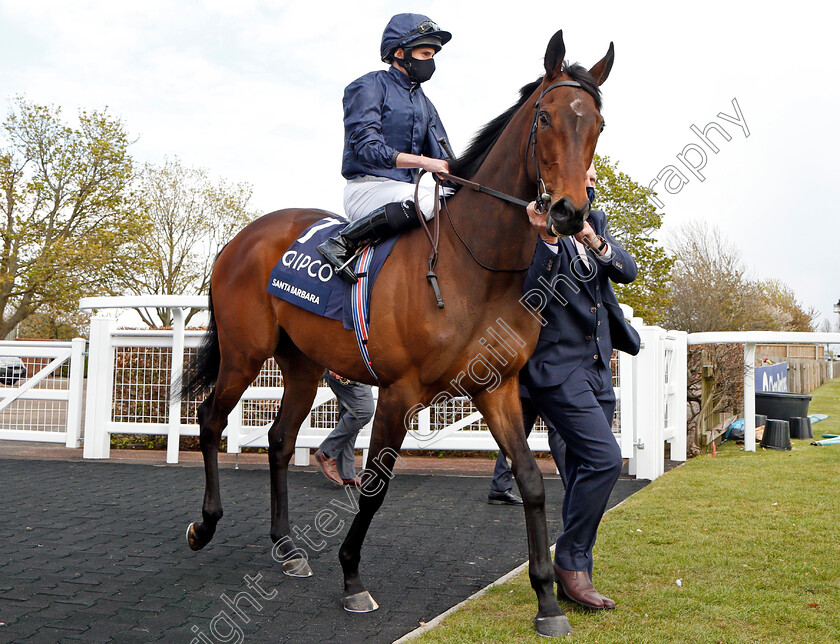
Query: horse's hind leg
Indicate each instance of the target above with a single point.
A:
(300, 379)
(212, 419)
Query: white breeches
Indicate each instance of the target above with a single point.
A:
(365, 194)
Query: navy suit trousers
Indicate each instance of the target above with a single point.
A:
(581, 410)
(503, 477)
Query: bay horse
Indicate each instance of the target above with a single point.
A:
(541, 146)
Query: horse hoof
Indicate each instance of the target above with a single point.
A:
(554, 626)
(360, 603)
(297, 567)
(192, 538)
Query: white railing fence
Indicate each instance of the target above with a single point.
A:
(132, 372)
(750, 339)
(46, 405)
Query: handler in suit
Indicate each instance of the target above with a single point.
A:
(569, 383)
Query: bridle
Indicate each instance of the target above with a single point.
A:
(542, 196)
(434, 236)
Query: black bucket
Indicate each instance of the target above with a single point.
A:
(776, 434)
(760, 420)
(801, 427)
(781, 404)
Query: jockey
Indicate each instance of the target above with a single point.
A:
(391, 130)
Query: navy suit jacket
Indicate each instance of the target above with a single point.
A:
(582, 320)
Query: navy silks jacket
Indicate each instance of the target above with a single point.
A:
(385, 114)
(583, 321)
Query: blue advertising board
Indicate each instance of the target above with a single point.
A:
(772, 377)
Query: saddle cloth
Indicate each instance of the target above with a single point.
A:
(302, 277)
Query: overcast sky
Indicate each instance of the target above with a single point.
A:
(252, 91)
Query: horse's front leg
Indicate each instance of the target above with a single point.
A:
(389, 429)
(502, 410)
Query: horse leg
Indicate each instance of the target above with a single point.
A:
(212, 419)
(300, 378)
(389, 428)
(502, 410)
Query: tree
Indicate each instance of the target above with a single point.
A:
(708, 282)
(710, 289)
(189, 218)
(62, 208)
(57, 324)
(633, 219)
(828, 327)
(783, 310)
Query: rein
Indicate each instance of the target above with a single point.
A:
(477, 187)
(434, 236)
(434, 239)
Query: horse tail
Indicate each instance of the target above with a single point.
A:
(203, 369)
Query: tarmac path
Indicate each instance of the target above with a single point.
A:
(95, 552)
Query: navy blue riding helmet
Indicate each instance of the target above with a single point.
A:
(411, 29)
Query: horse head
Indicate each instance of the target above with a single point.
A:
(565, 129)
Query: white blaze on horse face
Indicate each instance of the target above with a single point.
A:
(577, 108)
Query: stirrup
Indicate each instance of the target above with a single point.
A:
(345, 272)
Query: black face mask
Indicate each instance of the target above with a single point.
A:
(590, 192)
(419, 71)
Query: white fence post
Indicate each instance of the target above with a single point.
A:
(650, 367)
(302, 453)
(234, 429)
(679, 382)
(173, 437)
(76, 384)
(100, 388)
(630, 451)
(749, 396)
(628, 392)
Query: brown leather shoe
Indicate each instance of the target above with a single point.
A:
(609, 604)
(576, 586)
(328, 467)
(356, 481)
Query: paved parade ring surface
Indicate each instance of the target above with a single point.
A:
(95, 552)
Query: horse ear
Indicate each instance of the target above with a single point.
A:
(602, 68)
(554, 55)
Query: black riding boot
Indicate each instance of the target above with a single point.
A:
(382, 223)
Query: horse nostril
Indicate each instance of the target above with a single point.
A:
(563, 208)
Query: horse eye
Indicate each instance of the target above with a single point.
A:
(545, 119)
(603, 125)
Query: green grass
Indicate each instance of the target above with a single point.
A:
(754, 537)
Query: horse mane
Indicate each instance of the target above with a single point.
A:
(468, 163)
